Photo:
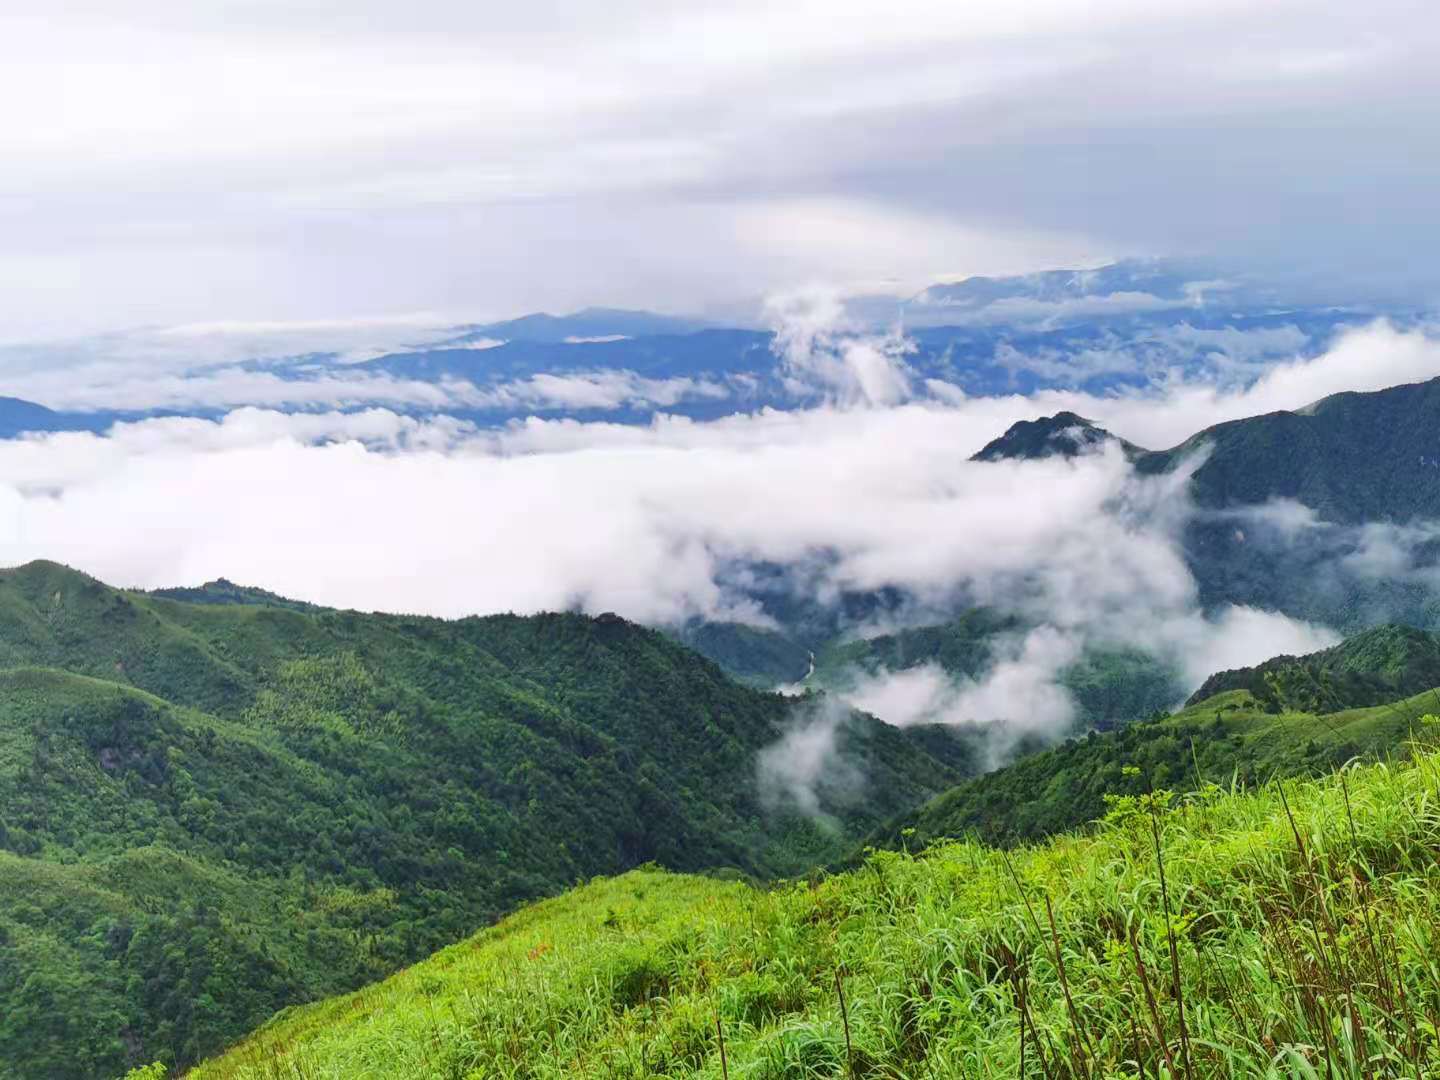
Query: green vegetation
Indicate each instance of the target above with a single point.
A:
(1290, 933)
(757, 657)
(1370, 668)
(211, 811)
(1358, 462)
(1228, 736)
(1350, 457)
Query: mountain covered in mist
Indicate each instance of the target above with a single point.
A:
(1350, 458)
(211, 810)
(1291, 716)
(1375, 666)
(1319, 512)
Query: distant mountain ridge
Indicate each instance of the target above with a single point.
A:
(592, 322)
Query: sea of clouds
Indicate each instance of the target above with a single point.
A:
(873, 488)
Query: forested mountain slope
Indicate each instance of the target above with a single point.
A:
(1373, 667)
(209, 811)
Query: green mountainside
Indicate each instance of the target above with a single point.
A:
(211, 811)
(1288, 717)
(1363, 463)
(1289, 933)
(754, 655)
(1351, 457)
(1375, 666)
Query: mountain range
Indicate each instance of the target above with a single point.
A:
(1119, 327)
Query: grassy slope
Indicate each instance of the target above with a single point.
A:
(1302, 950)
(219, 810)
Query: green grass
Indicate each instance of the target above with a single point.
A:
(1295, 933)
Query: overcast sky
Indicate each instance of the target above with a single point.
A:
(168, 161)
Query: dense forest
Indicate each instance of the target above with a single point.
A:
(209, 811)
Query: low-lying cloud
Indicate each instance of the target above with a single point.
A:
(871, 489)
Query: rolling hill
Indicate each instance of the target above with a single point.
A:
(209, 811)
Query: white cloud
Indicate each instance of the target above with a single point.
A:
(806, 765)
(822, 354)
(327, 156)
(1019, 696)
(1371, 357)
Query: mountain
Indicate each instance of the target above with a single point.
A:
(1373, 667)
(1160, 281)
(591, 323)
(1282, 932)
(17, 417)
(1351, 457)
(223, 591)
(209, 811)
(1065, 435)
(754, 655)
(1317, 513)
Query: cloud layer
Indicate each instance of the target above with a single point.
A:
(869, 488)
(442, 156)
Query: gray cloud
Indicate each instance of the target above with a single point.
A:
(333, 159)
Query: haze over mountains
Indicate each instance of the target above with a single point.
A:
(1123, 325)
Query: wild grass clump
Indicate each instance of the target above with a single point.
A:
(1290, 932)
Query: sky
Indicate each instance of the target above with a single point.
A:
(179, 161)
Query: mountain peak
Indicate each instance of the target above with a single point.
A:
(1065, 434)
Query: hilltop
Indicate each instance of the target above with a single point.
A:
(209, 811)
(1350, 457)
(1064, 435)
